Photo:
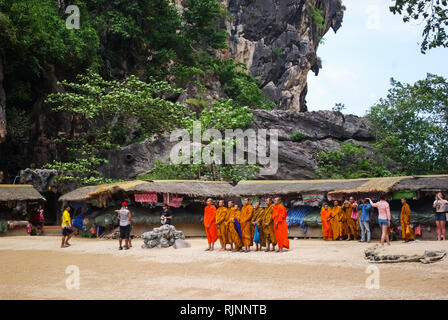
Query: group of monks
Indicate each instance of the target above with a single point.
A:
(343, 222)
(337, 221)
(237, 228)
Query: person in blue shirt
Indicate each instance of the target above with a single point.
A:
(364, 218)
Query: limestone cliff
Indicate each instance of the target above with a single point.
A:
(278, 40)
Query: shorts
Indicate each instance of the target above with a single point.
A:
(383, 222)
(66, 231)
(440, 216)
(125, 231)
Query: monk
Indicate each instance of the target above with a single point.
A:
(325, 215)
(268, 226)
(280, 228)
(355, 216)
(233, 236)
(221, 225)
(350, 226)
(405, 219)
(257, 220)
(246, 224)
(210, 224)
(337, 219)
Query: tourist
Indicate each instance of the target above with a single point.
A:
(268, 226)
(167, 215)
(125, 218)
(221, 224)
(280, 228)
(364, 219)
(348, 221)
(441, 206)
(66, 225)
(383, 217)
(210, 224)
(337, 221)
(257, 222)
(405, 220)
(246, 225)
(325, 215)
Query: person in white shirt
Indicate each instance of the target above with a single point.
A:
(125, 218)
(441, 206)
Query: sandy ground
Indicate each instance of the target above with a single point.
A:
(35, 268)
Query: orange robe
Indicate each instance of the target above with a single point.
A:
(405, 220)
(268, 230)
(246, 224)
(281, 232)
(209, 219)
(221, 225)
(327, 231)
(337, 220)
(350, 224)
(233, 236)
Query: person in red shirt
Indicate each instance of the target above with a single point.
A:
(210, 224)
(280, 228)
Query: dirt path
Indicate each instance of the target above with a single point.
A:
(35, 268)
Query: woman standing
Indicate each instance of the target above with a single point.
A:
(383, 218)
(441, 206)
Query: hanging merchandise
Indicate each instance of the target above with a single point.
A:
(175, 202)
(418, 230)
(335, 197)
(312, 197)
(296, 215)
(146, 197)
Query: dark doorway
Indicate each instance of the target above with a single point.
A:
(51, 208)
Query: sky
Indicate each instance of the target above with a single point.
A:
(372, 46)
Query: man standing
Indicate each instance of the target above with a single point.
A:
(246, 225)
(268, 226)
(349, 222)
(337, 221)
(233, 236)
(210, 224)
(280, 228)
(66, 225)
(383, 218)
(257, 222)
(125, 218)
(325, 216)
(364, 220)
(405, 219)
(355, 216)
(167, 214)
(221, 224)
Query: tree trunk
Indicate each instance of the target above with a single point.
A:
(2, 105)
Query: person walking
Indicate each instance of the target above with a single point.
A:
(67, 231)
(364, 219)
(441, 206)
(383, 218)
(125, 218)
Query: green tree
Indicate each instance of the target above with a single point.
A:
(101, 106)
(411, 125)
(432, 12)
(350, 162)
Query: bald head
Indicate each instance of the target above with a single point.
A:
(221, 203)
(277, 200)
(209, 201)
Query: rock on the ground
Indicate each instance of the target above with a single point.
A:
(181, 244)
(162, 237)
(376, 254)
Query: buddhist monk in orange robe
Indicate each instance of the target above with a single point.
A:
(350, 226)
(233, 236)
(325, 215)
(337, 219)
(221, 224)
(246, 224)
(257, 220)
(268, 226)
(405, 219)
(210, 224)
(280, 228)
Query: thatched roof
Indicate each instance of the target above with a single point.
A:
(382, 185)
(19, 192)
(284, 187)
(181, 187)
(430, 183)
(190, 188)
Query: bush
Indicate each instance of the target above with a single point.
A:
(298, 136)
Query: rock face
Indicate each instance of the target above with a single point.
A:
(323, 129)
(278, 40)
(2, 105)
